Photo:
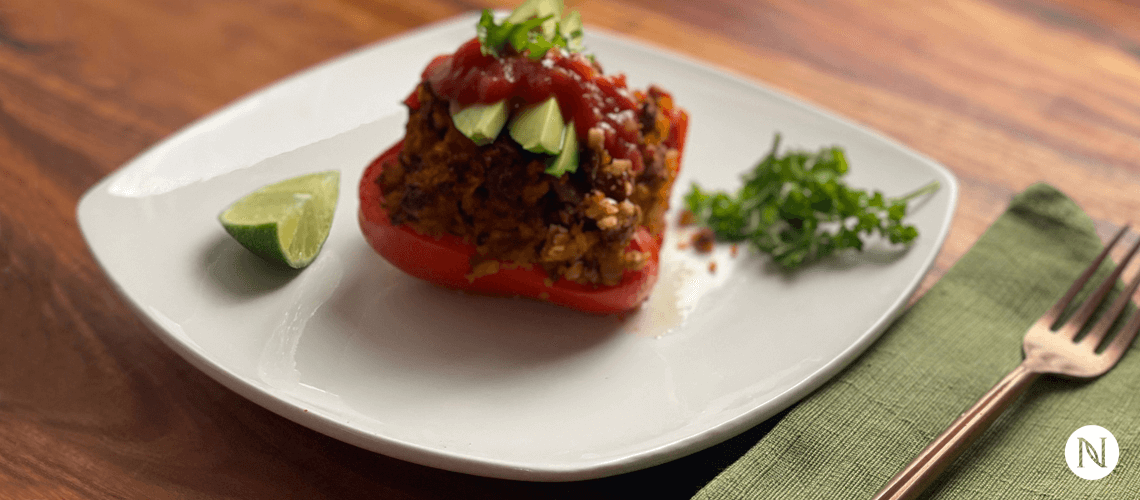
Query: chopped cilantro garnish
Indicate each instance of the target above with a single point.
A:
(526, 37)
(795, 207)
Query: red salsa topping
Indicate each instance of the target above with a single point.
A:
(584, 94)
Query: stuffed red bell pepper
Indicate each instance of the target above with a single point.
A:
(525, 170)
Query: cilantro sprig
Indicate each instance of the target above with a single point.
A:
(796, 207)
(527, 36)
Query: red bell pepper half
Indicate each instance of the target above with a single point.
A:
(446, 260)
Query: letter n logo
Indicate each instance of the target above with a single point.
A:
(1086, 447)
(1082, 445)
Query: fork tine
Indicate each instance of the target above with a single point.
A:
(1073, 327)
(1097, 334)
(1128, 332)
(1054, 313)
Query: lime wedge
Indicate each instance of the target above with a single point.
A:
(287, 222)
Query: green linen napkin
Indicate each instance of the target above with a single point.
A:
(851, 436)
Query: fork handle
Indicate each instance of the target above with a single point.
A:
(939, 454)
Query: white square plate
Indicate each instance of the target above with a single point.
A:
(511, 388)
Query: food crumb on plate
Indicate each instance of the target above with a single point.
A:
(703, 240)
(686, 218)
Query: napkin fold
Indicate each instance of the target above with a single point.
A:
(847, 439)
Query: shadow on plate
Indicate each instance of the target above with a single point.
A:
(420, 330)
(238, 273)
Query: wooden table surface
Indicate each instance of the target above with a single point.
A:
(92, 405)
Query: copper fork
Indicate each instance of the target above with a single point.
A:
(1048, 350)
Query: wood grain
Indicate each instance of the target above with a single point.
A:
(1003, 92)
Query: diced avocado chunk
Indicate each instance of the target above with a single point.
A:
(538, 128)
(539, 9)
(481, 122)
(572, 30)
(567, 160)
